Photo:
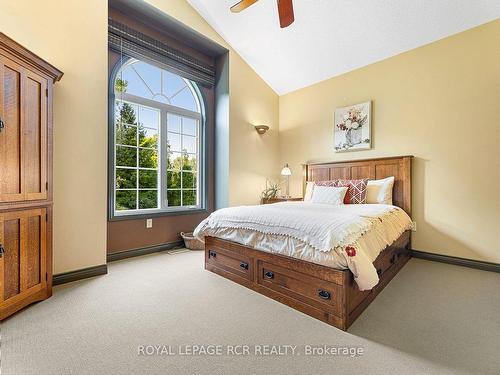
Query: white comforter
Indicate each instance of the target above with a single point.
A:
(344, 236)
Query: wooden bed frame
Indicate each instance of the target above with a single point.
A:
(322, 292)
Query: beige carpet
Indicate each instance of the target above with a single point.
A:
(431, 319)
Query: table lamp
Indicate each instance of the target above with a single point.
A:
(287, 173)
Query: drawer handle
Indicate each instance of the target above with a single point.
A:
(393, 258)
(244, 265)
(2, 125)
(269, 275)
(323, 294)
(212, 254)
(2, 251)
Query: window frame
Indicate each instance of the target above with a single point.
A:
(202, 188)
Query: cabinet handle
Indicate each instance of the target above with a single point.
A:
(2, 125)
(323, 294)
(2, 251)
(244, 265)
(212, 254)
(269, 275)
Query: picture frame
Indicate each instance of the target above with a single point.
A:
(352, 127)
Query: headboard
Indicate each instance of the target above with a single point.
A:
(373, 169)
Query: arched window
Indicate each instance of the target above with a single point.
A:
(157, 141)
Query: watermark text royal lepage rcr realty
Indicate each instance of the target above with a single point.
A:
(246, 350)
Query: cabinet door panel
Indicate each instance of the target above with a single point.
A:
(11, 170)
(23, 266)
(12, 257)
(35, 137)
(33, 251)
(2, 261)
(23, 139)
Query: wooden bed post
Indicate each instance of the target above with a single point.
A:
(304, 179)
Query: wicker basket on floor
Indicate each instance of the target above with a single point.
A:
(191, 242)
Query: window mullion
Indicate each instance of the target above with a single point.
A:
(182, 161)
(199, 160)
(137, 164)
(131, 98)
(163, 160)
(114, 155)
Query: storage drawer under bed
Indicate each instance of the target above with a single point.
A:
(232, 262)
(304, 288)
(388, 258)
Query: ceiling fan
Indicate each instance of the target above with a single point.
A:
(285, 10)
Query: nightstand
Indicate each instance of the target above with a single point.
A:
(279, 199)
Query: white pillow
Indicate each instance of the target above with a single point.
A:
(380, 191)
(309, 191)
(328, 195)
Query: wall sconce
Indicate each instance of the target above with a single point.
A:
(261, 129)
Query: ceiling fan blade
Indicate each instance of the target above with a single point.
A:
(242, 5)
(285, 10)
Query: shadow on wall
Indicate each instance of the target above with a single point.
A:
(254, 167)
(426, 230)
(438, 236)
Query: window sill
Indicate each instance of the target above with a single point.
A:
(150, 215)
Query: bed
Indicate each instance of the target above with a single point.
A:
(335, 296)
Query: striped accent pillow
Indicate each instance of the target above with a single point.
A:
(356, 192)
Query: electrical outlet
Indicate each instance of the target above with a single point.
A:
(149, 223)
(413, 226)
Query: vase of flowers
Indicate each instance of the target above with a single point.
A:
(354, 136)
(353, 123)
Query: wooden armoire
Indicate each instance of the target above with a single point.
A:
(26, 83)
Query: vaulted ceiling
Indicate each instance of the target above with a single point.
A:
(331, 37)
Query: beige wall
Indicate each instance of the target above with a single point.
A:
(72, 35)
(439, 103)
(253, 157)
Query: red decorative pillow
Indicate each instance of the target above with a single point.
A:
(356, 192)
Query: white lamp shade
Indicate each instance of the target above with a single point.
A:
(286, 171)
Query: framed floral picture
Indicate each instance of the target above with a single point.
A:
(352, 130)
